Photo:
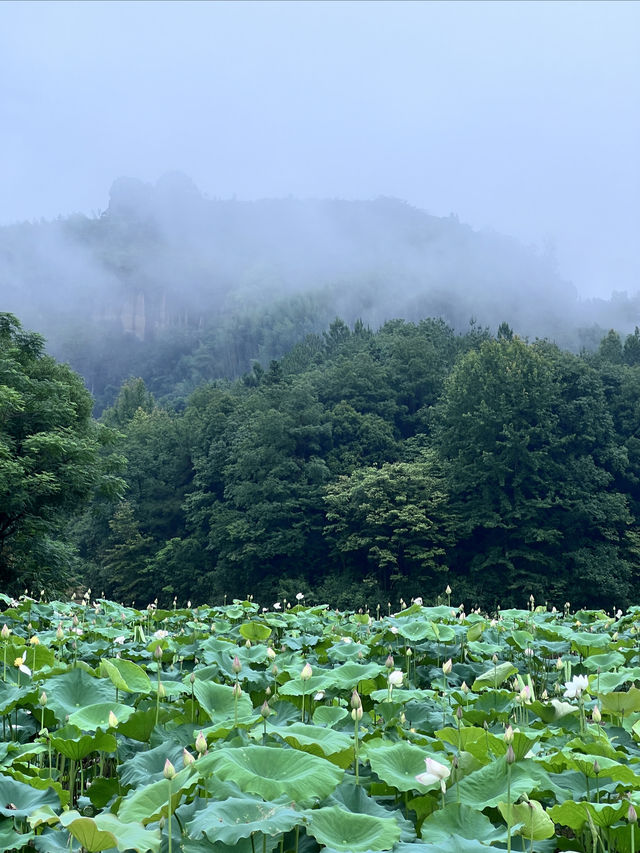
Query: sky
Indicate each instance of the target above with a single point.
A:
(519, 117)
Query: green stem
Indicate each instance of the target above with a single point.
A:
(509, 806)
(356, 759)
(169, 824)
(633, 838)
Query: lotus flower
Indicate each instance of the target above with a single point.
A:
(395, 678)
(306, 672)
(435, 772)
(573, 689)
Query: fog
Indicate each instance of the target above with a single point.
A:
(515, 123)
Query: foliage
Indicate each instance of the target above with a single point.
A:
(139, 729)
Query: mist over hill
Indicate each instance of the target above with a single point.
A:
(179, 288)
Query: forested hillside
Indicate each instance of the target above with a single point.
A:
(179, 289)
(365, 466)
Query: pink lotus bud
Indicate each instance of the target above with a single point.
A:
(511, 756)
(236, 666)
(265, 710)
(187, 758)
(169, 770)
(389, 663)
(632, 815)
(356, 702)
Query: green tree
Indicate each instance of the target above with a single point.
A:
(533, 458)
(388, 526)
(51, 459)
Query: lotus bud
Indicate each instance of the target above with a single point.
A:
(42, 701)
(192, 678)
(271, 654)
(187, 758)
(5, 631)
(511, 756)
(615, 637)
(237, 690)
(60, 632)
(201, 744)
(356, 702)
(306, 672)
(236, 666)
(162, 693)
(113, 720)
(274, 670)
(448, 590)
(268, 691)
(356, 714)
(596, 767)
(508, 735)
(494, 659)
(169, 770)
(596, 715)
(464, 687)
(544, 695)
(632, 815)
(459, 712)
(76, 621)
(157, 652)
(559, 664)
(265, 710)
(247, 644)
(409, 653)
(389, 663)
(447, 666)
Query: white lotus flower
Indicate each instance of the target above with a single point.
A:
(574, 688)
(119, 640)
(435, 772)
(396, 678)
(161, 634)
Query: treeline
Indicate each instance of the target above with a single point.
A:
(367, 466)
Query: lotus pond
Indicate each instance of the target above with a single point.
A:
(304, 729)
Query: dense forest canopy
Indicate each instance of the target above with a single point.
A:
(179, 289)
(250, 443)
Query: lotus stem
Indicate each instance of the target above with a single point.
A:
(509, 805)
(170, 809)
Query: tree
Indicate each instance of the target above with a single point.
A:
(533, 459)
(388, 525)
(51, 458)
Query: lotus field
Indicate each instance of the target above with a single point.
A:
(305, 729)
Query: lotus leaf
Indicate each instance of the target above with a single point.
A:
(352, 833)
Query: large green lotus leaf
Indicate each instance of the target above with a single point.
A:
(55, 841)
(147, 804)
(42, 816)
(462, 821)
(40, 783)
(488, 786)
(97, 716)
(399, 764)
(453, 844)
(329, 715)
(351, 674)
(336, 746)
(520, 639)
(620, 703)
(11, 694)
(348, 652)
(272, 772)
(103, 789)
(235, 818)
(256, 632)
(72, 743)
(608, 768)
(354, 799)
(105, 831)
(17, 799)
(245, 845)
(126, 675)
(574, 815)
(218, 701)
(298, 687)
(140, 724)
(552, 711)
(609, 681)
(605, 662)
(528, 819)
(583, 642)
(75, 689)
(353, 833)
(148, 766)
(12, 840)
(495, 676)
(416, 630)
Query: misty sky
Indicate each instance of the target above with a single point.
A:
(523, 117)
